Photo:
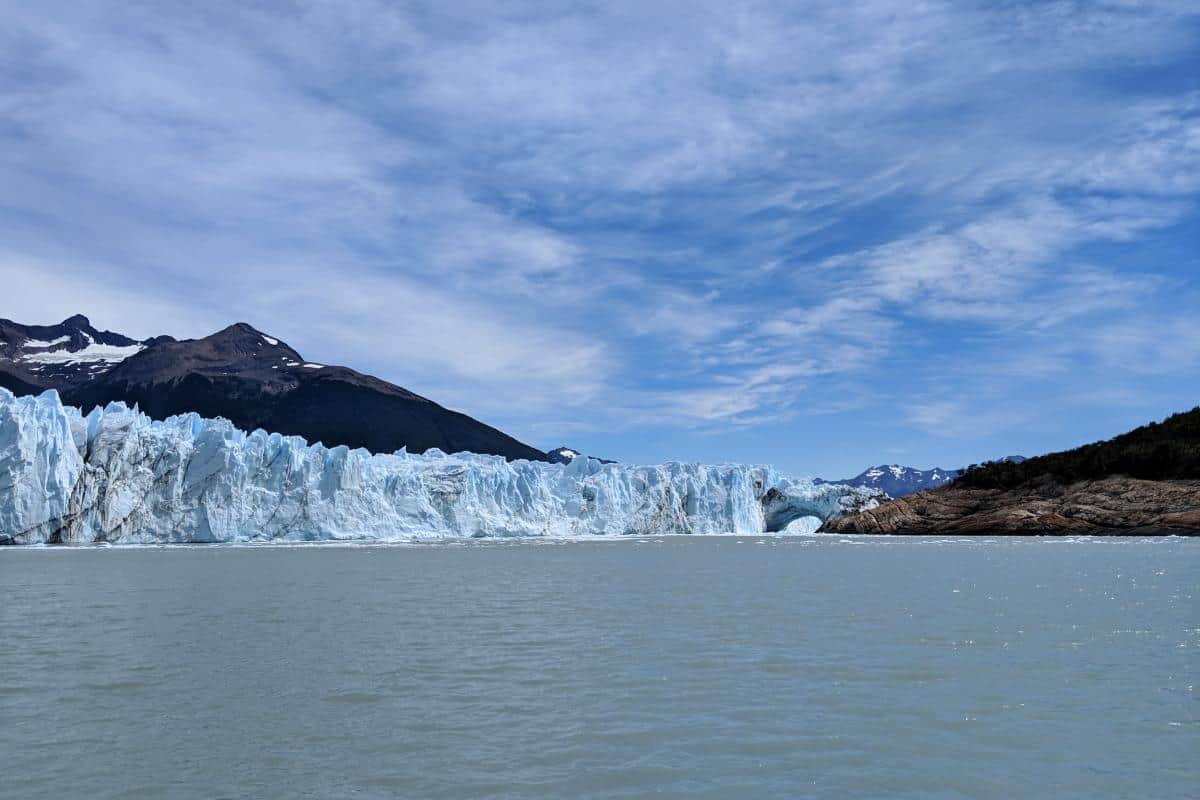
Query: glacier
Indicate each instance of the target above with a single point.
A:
(115, 475)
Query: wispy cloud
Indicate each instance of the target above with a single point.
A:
(623, 215)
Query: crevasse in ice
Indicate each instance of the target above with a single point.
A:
(116, 475)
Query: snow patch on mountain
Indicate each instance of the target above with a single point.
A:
(38, 344)
(93, 352)
(117, 475)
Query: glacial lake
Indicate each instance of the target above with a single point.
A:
(679, 667)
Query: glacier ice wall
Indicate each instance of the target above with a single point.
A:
(116, 475)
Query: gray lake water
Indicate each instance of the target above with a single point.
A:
(719, 668)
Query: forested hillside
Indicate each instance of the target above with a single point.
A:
(1158, 451)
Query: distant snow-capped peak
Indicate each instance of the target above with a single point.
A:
(562, 455)
(897, 480)
(565, 455)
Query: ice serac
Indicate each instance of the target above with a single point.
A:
(40, 464)
(116, 475)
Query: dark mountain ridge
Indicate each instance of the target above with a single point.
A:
(240, 373)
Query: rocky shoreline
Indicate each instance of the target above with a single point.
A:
(1110, 506)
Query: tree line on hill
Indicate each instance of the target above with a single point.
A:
(1158, 451)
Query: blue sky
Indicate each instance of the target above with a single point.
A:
(819, 235)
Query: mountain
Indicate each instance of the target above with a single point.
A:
(565, 455)
(63, 356)
(898, 481)
(244, 375)
(562, 455)
(1147, 480)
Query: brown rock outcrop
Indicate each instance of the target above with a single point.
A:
(1114, 506)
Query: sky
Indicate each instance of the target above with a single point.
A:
(821, 235)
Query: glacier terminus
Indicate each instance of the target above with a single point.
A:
(115, 475)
